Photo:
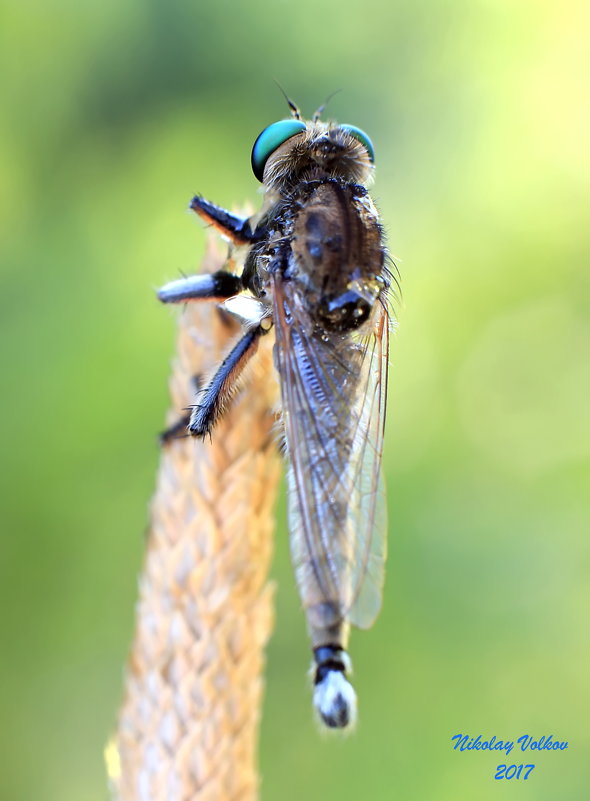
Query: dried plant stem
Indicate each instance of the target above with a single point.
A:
(188, 726)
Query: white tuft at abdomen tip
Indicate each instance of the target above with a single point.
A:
(335, 700)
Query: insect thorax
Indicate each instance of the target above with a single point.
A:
(327, 239)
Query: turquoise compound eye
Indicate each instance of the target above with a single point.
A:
(362, 137)
(270, 139)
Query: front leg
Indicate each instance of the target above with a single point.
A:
(209, 286)
(235, 228)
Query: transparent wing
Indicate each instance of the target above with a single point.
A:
(334, 396)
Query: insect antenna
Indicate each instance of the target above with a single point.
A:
(293, 106)
(322, 108)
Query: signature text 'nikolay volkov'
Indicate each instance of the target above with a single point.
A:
(463, 742)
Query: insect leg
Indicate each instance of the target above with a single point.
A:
(215, 397)
(178, 430)
(236, 228)
(209, 286)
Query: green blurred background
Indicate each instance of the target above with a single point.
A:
(113, 115)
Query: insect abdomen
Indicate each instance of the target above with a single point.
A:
(334, 696)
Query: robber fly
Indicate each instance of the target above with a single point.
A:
(316, 272)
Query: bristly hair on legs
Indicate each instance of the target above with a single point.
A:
(217, 395)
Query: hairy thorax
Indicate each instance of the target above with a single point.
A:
(329, 243)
